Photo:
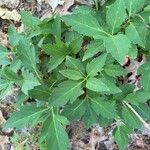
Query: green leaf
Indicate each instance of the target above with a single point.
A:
(75, 110)
(90, 117)
(93, 48)
(26, 54)
(15, 64)
(75, 44)
(41, 92)
(74, 64)
(115, 70)
(134, 6)
(51, 26)
(58, 48)
(67, 90)
(96, 85)
(28, 115)
(130, 118)
(96, 65)
(58, 52)
(11, 76)
(103, 108)
(133, 52)
(121, 137)
(5, 88)
(143, 110)
(14, 37)
(138, 97)
(29, 81)
(139, 30)
(4, 56)
(83, 9)
(113, 89)
(71, 36)
(54, 132)
(28, 20)
(102, 85)
(144, 70)
(85, 24)
(71, 74)
(116, 15)
(46, 129)
(3, 83)
(20, 99)
(55, 62)
(118, 45)
(104, 122)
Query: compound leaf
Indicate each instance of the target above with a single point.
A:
(118, 45)
(144, 70)
(134, 6)
(138, 97)
(96, 65)
(29, 81)
(139, 30)
(28, 115)
(4, 56)
(103, 108)
(54, 132)
(41, 92)
(114, 70)
(116, 15)
(26, 54)
(85, 24)
(97, 85)
(130, 118)
(102, 85)
(29, 20)
(74, 64)
(71, 74)
(121, 137)
(75, 110)
(67, 90)
(93, 48)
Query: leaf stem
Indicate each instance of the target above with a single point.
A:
(96, 4)
(38, 76)
(138, 116)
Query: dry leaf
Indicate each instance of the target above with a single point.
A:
(5, 143)
(62, 10)
(85, 2)
(40, 1)
(55, 3)
(2, 119)
(10, 15)
(94, 138)
(3, 39)
(9, 3)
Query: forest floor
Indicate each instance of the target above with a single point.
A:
(96, 138)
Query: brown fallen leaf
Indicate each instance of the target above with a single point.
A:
(94, 138)
(55, 3)
(3, 39)
(2, 119)
(61, 10)
(9, 15)
(85, 2)
(5, 143)
(9, 3)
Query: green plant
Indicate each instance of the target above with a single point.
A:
(62, 82)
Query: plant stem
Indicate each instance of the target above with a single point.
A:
(96, 4)
(139, 117)
(38, 76)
